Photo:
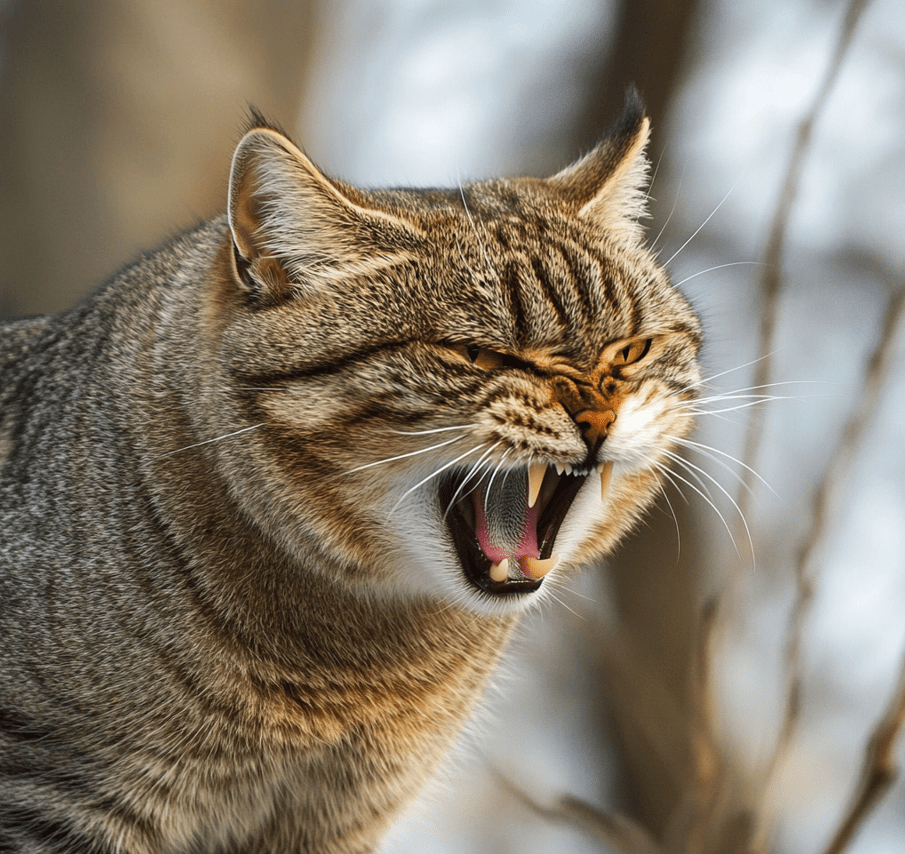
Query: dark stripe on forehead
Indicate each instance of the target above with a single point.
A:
(510, 284)
(550, 290)
(631, 305)
(617, 297)
(335, 365)
(581, 281)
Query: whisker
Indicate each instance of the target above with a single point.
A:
(698, 229)
(719, 267)
(705, 380)
(559, 601)
(761, 399)
(711, 452)
(479, 463)
(692, 470)
(675, 520)
(435, 430)
(740, 394)
(674, 474)
(404, 456)
(764, 386)
(433, 475)
(691, 467)
(674, 205)
(496, 472)
(506, 475)
(650, 186)
(211, 441)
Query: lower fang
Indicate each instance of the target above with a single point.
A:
(500, 571)
(537, 568)
(606, 475)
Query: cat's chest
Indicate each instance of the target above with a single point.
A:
(347, 742)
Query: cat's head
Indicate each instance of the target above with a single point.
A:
(464, 394)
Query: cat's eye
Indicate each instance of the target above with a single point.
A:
(632, 352)
(487, 359)
(482, 357)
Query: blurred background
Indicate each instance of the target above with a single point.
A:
(715, 686)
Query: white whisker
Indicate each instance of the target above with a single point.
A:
(675, 520)
(674, 204)
(718, 267)
(478, 464)
(650, 186)
(435, 430)
(764, 386)
(698, 229)
(433, 475)
(739, 406)
(404, 456)
(704, 380)
(495, 473)
(211, 441)
(691, 468)
(711, 453)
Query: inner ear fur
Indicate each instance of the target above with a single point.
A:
(293, 228)
(608, 186)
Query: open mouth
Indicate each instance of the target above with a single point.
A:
(505, 530)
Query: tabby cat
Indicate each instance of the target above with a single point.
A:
(273, 498)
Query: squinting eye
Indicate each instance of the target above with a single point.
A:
(633, 352)
(483, 358)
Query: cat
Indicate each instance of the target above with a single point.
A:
(273, 498)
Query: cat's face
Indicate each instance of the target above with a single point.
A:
(463, 394)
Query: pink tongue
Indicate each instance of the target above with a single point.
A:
(512, 545)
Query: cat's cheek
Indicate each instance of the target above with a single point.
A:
(645, 425)
(306, 409)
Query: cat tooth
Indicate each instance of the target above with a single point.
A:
(536, 472)
(539, 568)
(560, 468)
(500, 571)
(606, 474)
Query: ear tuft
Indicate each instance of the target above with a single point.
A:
(607, 186)
(293, 229)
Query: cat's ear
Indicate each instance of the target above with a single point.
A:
(607, 186)
(293, 229)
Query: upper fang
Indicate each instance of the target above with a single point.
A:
(536, 472)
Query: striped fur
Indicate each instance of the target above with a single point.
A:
(236, 612)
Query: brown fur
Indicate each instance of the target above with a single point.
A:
(234, 616)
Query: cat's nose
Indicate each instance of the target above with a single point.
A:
(592, 412)
(594, 425)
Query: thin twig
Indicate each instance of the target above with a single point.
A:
(878, 771)
(613, 829)
(771, 280)
(825, 501)
(690, 824)
(705, 755)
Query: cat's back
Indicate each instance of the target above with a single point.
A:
(17, 337)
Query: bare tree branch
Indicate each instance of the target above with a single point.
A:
(771, 281)
(616, 831)
(705, 756)
(878, 772)
(825, 500)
